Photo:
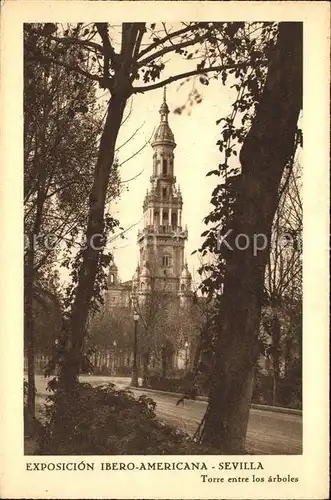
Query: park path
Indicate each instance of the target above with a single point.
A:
(269, 432)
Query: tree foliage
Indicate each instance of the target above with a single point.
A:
(282, 313)
(60, 113)
(134, 53)
(245, 204)
(106, 421)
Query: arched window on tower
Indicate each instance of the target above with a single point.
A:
(174, 219)
(165, 260)
(164, 167)
(111, 279)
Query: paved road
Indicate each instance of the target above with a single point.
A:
(269, 433)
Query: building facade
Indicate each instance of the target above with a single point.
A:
(162, 275)
(161, 241)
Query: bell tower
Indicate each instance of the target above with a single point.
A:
(162, 238)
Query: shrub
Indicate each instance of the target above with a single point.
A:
(103, 370)
(123, 371)
(32, 427)
(104, 420)
(289, 393)
(180, 385)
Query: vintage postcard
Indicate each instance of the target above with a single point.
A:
(164, 271)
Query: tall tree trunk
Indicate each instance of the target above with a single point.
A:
(275, 358)
(29, 264)
(120, 86)
(94, 236)
(146, 360)
(163, 362)
(29, 328)
(267, 149)
(29, 282)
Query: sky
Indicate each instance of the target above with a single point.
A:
(196, 134)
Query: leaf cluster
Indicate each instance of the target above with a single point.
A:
(254, 42)
(107, 421)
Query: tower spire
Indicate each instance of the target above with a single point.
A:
(164, 110)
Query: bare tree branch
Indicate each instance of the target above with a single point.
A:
(164, 39)
(109, 52)
(129, 139)
(77, 41)
(136, 152)
(188, 74)
(170, 48)
(141, 32)
(132, 178)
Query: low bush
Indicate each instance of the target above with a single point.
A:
(123, 371)
(289, 392)
(165, 384)
(105, 421)
(103, 370)
(179, 385)
(32, 426)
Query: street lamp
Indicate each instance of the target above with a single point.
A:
(57, 368)
(114, 356)
(134, 379)
(186, 355)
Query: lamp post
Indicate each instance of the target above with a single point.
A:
(186, 355)
(114, 356)
(57, 367)
(134, 378)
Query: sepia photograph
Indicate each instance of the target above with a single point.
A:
(164, 250)
(163, 238)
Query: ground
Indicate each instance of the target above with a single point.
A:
(269, 432)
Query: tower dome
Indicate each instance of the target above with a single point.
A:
(163, 133)
(113, 267)
(145, 272)
(185, 286)
(186, 275)
(135, 276)
(113, 274)
(135, 279)
(145, 281)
